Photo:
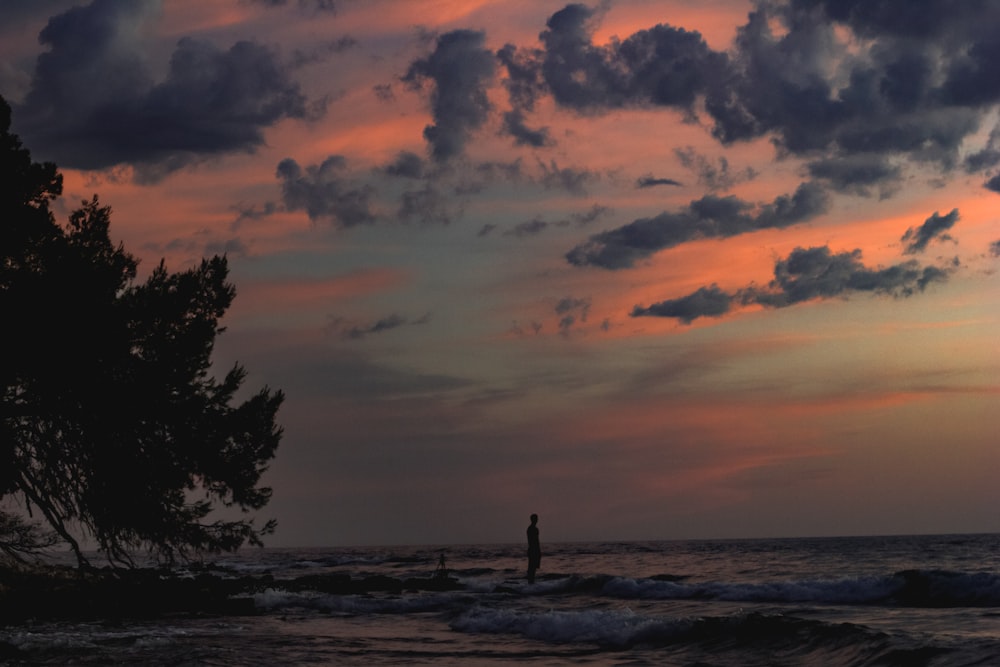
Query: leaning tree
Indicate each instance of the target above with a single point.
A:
(112, 426)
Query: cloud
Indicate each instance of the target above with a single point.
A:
(858, 174)
(806, 274)
(708, 217)
(324, 192)
(317, 5)
(350, 330)
(537, 225)
(406, 165)
(570, 311)
(93, 103)
(704, 302)
(995, 249)
(661, 66)
(572, 180)
(935, 226)
(513, 124)
(428, 205)
(648, 181)
(462, 70)
(714, 176)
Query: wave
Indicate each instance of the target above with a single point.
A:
(744, 638)
(908, 588)
(742, 633)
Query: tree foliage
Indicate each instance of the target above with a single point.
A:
(111, 425)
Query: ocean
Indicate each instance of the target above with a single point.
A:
(892, 601)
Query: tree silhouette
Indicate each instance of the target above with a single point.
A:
(111, 425)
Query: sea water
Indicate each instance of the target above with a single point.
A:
(901, 601)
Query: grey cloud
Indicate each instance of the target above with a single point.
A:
(524, 86)
(704, 302)
(713, 175)
(513, 124)
(301, 58)
(848, 102)
(406, 165)
(987, 157)
(809, 273)
(528, 228)
(935, 226)
(461, 70)
(858, 174)
(317, 5)
(708, 217)
(324, 192)
(806, 274)
(354, 331)
(538, 225)
(247, 212)
(661, 66)
(648, 181)
(571, 310)
(913, 88)
(569, 179)
(427, 205)
(93, 103)
(995, 249)
(993, 183)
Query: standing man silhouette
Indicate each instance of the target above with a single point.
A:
(534, 549)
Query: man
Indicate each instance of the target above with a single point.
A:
(534, 549)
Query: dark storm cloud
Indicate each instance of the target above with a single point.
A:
(858, 174)
(661, 66)
(406, 165)
(93, 104)
(648, 181)
(993, 184)
(935, 226)
(461, 70)
(325, 193)
(915, 89)
(806, 274)
(705, 218)
(17, 11)
(987, 157)
(912, 88)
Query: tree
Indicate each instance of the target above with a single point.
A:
(111, 425)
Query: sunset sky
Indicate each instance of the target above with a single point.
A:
(651, 269)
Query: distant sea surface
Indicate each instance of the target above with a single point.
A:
(887, 601)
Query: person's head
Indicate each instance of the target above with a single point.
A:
(534, 518)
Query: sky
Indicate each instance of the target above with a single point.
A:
(652, 269)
